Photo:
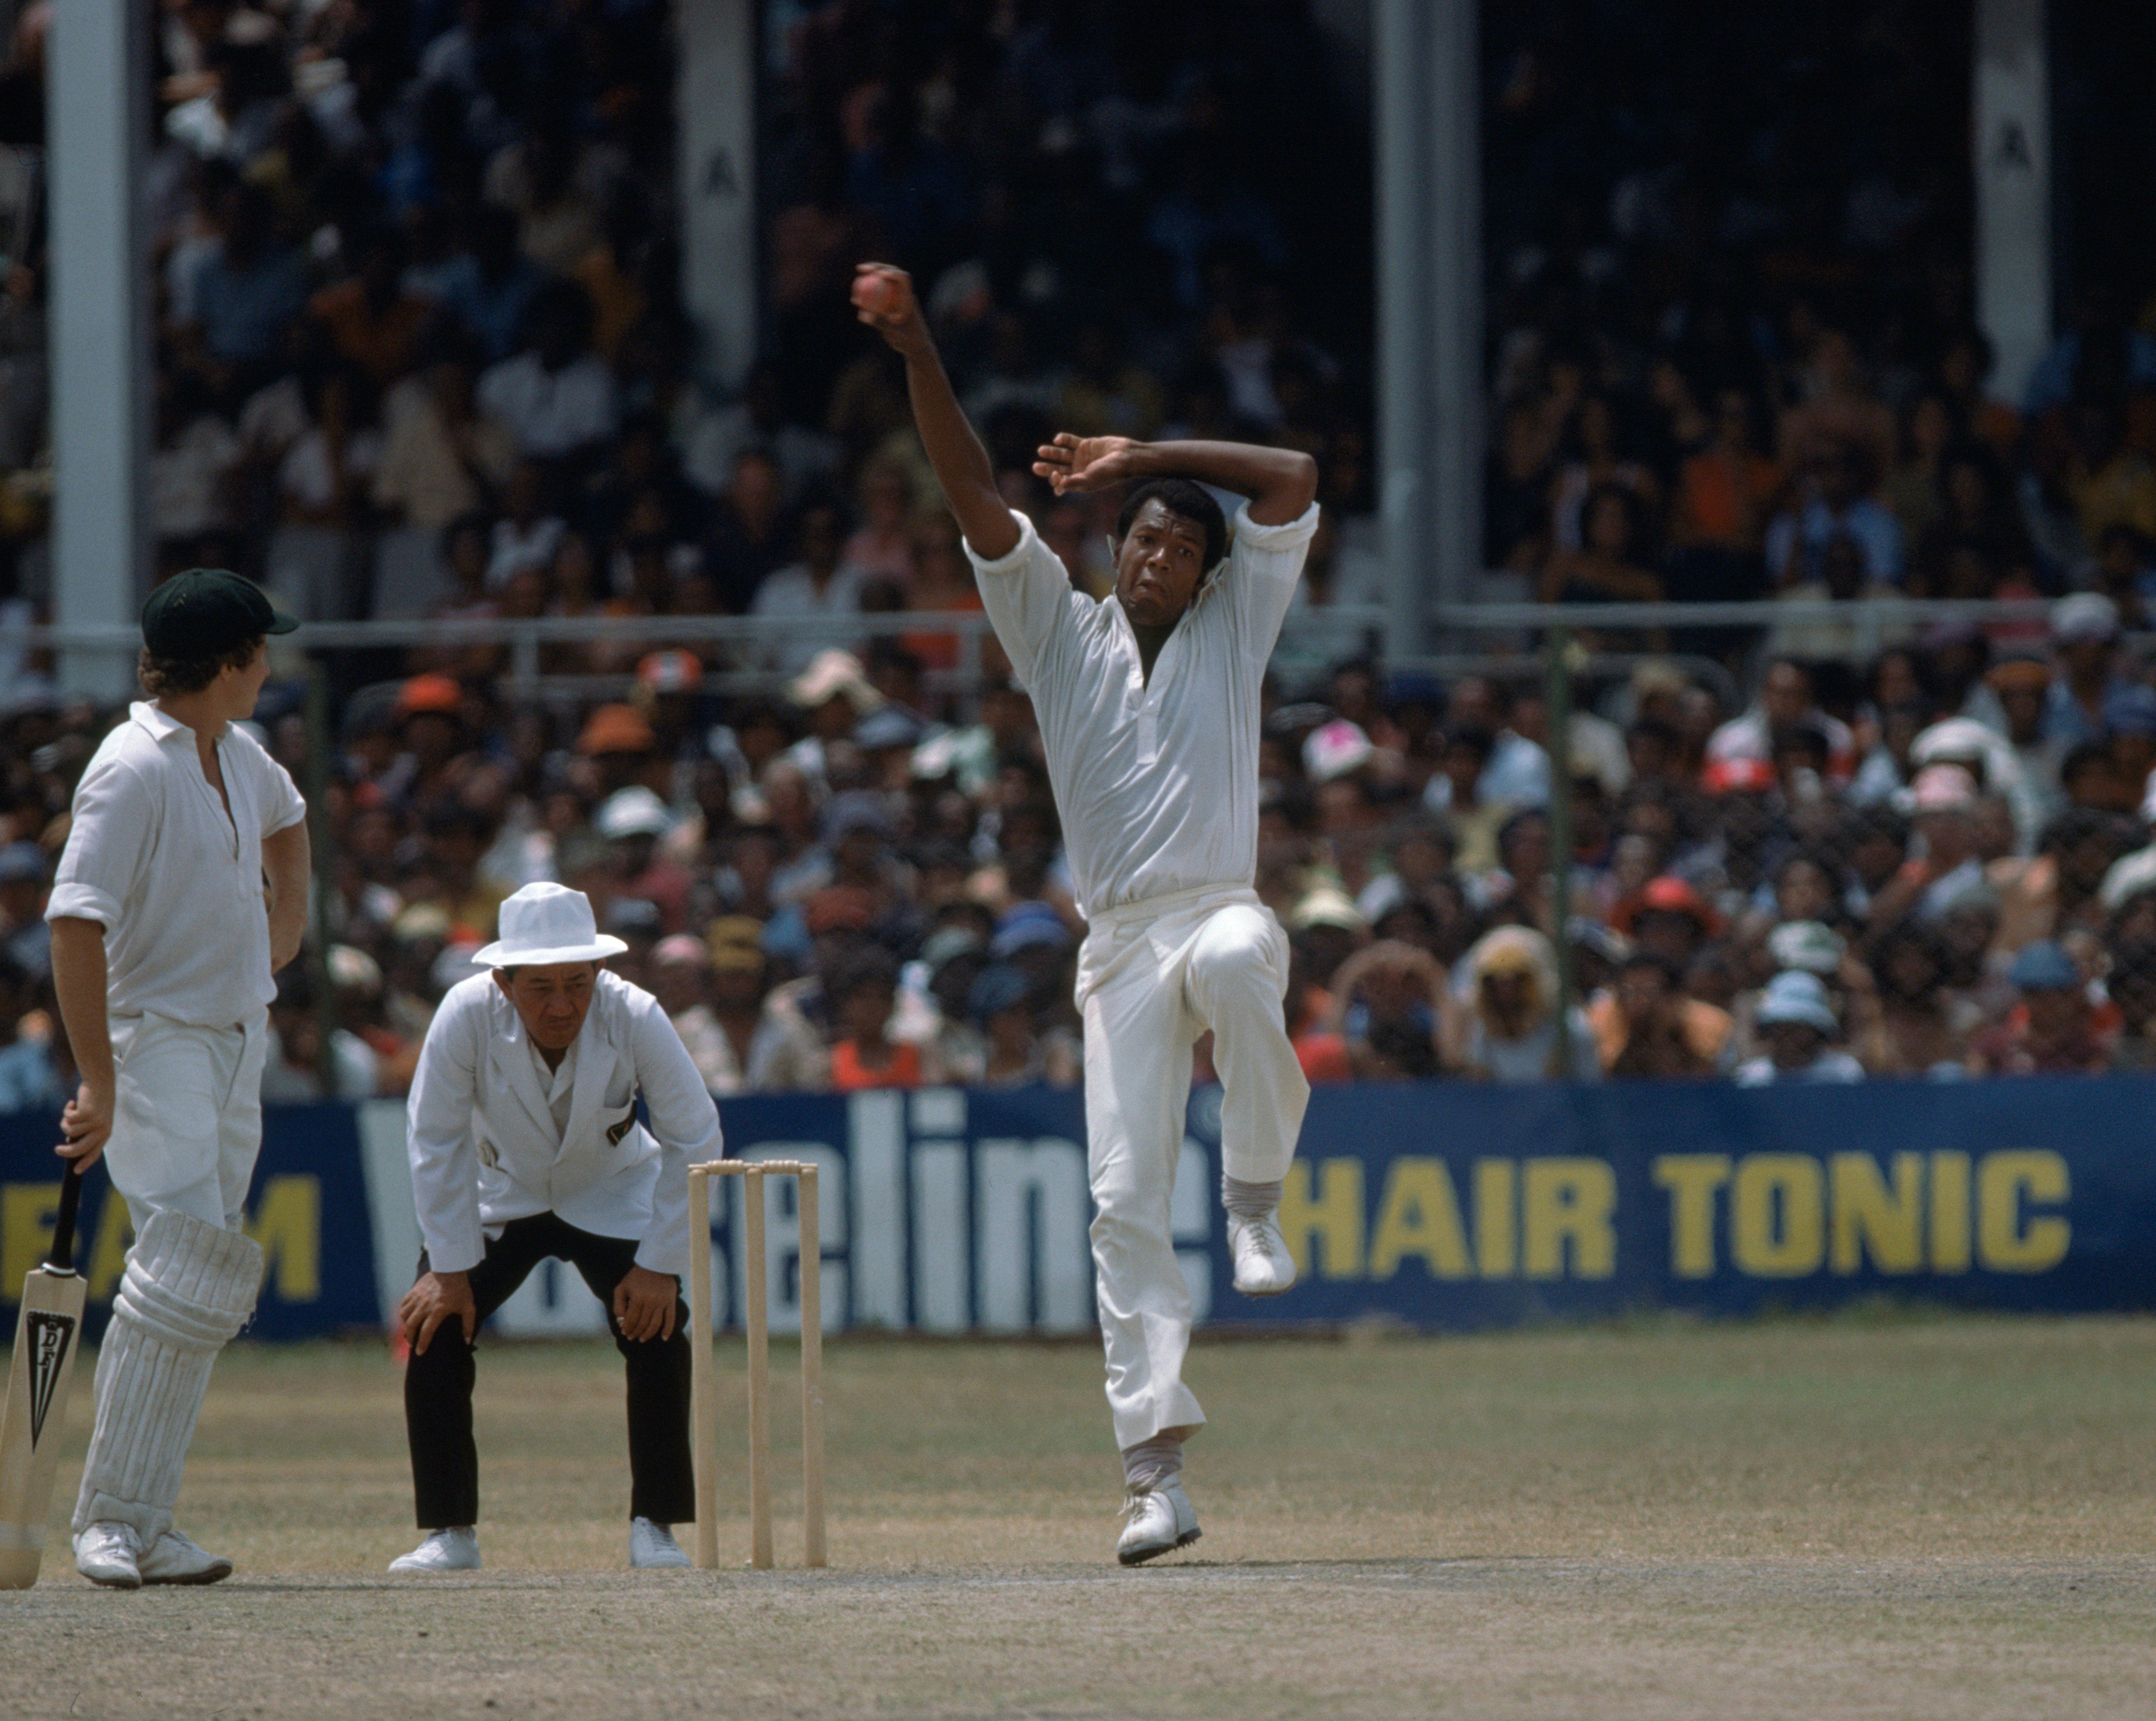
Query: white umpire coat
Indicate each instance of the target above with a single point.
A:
(486, 1149)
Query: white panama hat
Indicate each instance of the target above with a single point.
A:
(547, 922)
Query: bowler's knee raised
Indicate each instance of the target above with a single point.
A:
(1236, 960)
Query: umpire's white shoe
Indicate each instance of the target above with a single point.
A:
(1161, 1519)
(653, 1544)
(451, 1550)
(174, 1559)
(1263, 1266)
(104, 1554)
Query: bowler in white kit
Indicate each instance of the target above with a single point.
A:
(1148, 703)
(181, 891)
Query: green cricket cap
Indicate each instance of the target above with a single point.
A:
(207, 612)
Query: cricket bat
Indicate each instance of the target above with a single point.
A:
(37, 1377)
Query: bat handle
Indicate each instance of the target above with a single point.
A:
(60, 1258)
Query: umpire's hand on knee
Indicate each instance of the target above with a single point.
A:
(433, 1301)
(644, 1304)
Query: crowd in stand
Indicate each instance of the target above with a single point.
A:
(423, 352)
(1941, 868)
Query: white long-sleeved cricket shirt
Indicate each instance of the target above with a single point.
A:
(494, 1136)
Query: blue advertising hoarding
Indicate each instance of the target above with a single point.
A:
(1443, 1206)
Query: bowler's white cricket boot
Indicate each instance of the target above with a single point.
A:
(450, 1550)
(104, 1554)
(653, 1544)
(174, 1559)
(1263, 1266)
(1161, 1519)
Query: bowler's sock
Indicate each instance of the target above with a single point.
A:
(1250, 1200)
(1153, 1464)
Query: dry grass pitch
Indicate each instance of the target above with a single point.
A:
(1872, 1517)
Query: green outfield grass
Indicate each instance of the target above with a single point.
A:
(1889, 1516)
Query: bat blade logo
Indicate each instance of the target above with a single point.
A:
(49, 1336)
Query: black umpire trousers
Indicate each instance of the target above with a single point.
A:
(437, 1382)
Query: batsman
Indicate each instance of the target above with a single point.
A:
(183, 889)
(1147, 701)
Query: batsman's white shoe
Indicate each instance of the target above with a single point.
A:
(1263, 1266)
(452, 1550)
(653, 1544)
(174, 1559)
(1161, 1520)
(104, 1554)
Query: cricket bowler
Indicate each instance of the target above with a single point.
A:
(182, 890)
(1147, 702)
(525, 1144)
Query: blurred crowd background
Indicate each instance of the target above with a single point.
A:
(422, 354)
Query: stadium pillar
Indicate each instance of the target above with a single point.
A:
(97, 101)
(715, 166)
(2011, 129)
(1430, 311)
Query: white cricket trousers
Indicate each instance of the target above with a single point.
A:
(187, 1118)
(1152, 977)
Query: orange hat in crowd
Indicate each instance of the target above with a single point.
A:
(1665, 895)
(429, 693)
(616, 729)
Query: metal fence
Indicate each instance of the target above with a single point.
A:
(1509, 637)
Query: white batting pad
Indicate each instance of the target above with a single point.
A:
(189, 1287)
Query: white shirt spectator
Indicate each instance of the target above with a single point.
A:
(514, 548)
(550, 413)
(495, 1135)
(791, 592)
(175, 883)
(1158, 781)
(189, 479)
(304, 474)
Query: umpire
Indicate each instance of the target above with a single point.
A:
(525, 1144)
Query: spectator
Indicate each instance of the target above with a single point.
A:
(555, 397)
(1508, 1027)
(863, 994)
(1645, 1026)
(1388, 1007)
(2084, 631)
(1798, 1022)
(28, 1080)
(443, 458)
(817, 594)
(243, 295)
(489, 285)
(24, 937)
(2051, 1030)
(370, 321)
(1839, 503)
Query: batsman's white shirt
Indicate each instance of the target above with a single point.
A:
(1157, 781)
(493, 1135)
(177, 885)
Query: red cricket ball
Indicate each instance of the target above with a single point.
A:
(875, 294)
